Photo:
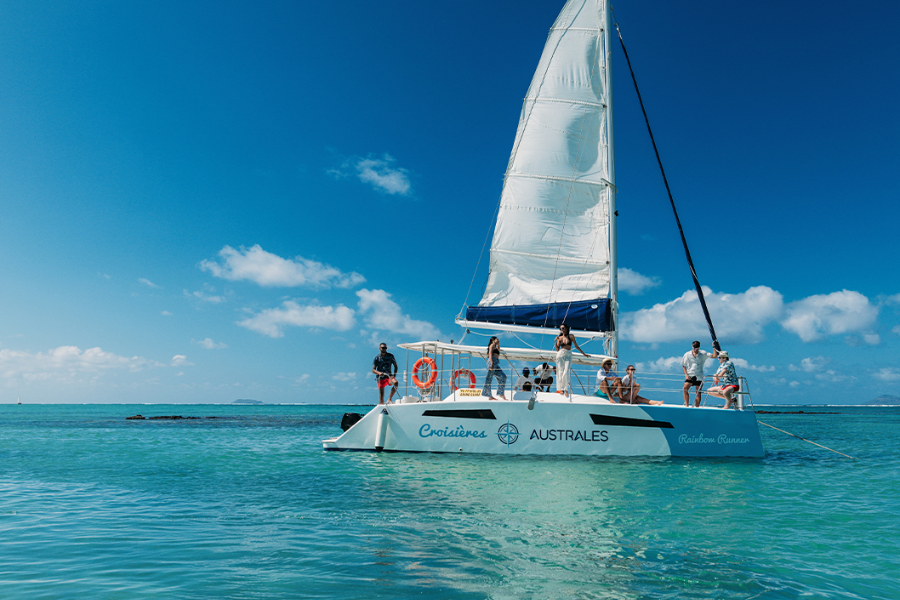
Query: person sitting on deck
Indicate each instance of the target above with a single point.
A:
(608, 383)
(725, 380)
(524, 383)
(630, 389)
(543, 376)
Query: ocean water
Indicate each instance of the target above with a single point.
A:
(247, 505)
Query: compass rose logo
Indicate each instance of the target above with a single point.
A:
(508, 433)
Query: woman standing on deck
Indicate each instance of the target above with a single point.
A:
(563, 347)
(494, 370)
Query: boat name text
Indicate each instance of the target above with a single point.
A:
(701, 439)
(460, 432)
(568, 435)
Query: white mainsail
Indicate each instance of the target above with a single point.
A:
(551, 251)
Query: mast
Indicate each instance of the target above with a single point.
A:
(613, 214)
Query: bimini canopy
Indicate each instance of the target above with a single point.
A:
(550, 254)
(525, 354)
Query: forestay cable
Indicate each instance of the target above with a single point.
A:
(687, 252)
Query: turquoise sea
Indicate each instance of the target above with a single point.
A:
(247, 505)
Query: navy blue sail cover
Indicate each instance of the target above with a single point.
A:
(585, 315)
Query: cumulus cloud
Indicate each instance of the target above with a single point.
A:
(833, 376)
(270, 270)
(166, 313)
(147, 282)
(632, 282)
(180, 360)
(344, 376)
(380, 173)
(739, 318)
(383, 175)
(209, 344)
(811, 364)
(828, 314)
(887, 374)
(383, 314)
(67, 362)
(743, 365)
(204, 297)
(671, 364)
(271, 321)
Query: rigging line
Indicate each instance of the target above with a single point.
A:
(805, 440)
(687, 252)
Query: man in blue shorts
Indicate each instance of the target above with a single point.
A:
(385, 368)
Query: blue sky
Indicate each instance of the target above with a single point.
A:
(210, 201)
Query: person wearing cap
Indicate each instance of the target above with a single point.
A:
(725, 380)
(692, 365)
(524, 383)
(385, 368)
(609, 384)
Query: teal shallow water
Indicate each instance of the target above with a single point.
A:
(247, 505)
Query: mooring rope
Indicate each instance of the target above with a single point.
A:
(805, 440)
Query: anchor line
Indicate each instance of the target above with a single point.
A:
(805, 440)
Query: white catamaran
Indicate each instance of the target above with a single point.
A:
(553, 261)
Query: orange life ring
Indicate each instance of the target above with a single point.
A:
(457, 373)
(425, 360)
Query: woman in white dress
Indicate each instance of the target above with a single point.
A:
(563, 347)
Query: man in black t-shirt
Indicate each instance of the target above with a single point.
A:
(385, 368)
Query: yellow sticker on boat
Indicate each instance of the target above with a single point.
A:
(469, 392)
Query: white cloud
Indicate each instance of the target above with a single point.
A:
(873, 339)
(833, 376)
(632, 282)
(794, 384)
(148, 283)
(739, 318)
(382, 175)
(66, 362)
(811, 364)
(887, 374)
(660, 365)
(383, 314)
(209, 344)
(344, 376)
(896, 329)
(204, 297)
(828, 314)
(166, 313)
(270, 270)
(271, 321)
(743, 365)
(180, 360)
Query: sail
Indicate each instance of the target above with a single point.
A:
(550, 255)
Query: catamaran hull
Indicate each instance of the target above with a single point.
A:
(553, 427)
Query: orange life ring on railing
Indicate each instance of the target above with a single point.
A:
(457, 373)
(425, 360)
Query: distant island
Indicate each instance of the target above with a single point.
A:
(239, 401)
(886, 399)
